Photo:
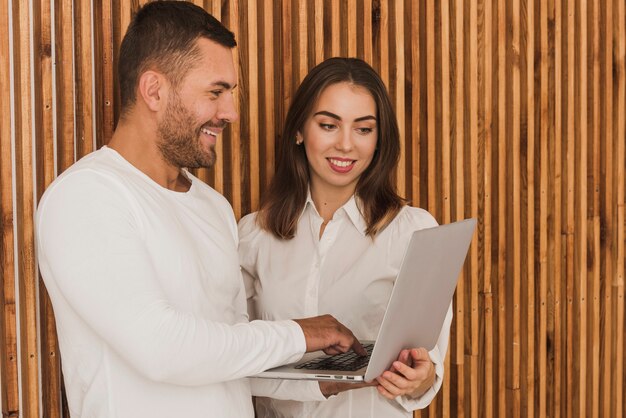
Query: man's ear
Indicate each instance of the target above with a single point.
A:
(152, 89)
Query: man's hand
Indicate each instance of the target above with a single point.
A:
(326, 333)
(412, 375)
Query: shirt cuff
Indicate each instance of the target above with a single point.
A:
(297, 336)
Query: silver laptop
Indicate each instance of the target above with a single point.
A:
(415, 313)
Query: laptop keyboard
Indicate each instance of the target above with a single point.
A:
(349, 361)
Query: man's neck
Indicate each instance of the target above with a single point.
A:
(137, 145)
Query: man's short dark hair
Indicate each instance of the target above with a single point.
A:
(163, 35)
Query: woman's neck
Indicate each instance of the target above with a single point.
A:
(327, 200)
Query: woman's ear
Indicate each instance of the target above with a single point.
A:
(152, 90)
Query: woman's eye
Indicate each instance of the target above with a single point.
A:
(364, 131)
(327, 126)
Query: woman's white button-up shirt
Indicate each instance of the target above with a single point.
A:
(344, 273)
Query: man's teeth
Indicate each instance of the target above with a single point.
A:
(340, 163)
(206, 131)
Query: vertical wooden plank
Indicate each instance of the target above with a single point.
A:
(318, 15)
(384, 42)
(64, 78)
(446, 116)
(350, 23)
(104, 63)
(334, 14)
(459, 208)
(301, 51)
(431, 103)
(267, 87)
(501, 215)
(253, 104)
(556, 285)
(528, 267)
(514, 221)
(367, 32)
(84, 93)
(250, 117)
(544, 125)
(287, 57)
(620, 173)
(25, 205)
(44, 141)
(581, 172)
(608, 210)
(593, 383)
(570, 407)
(486, 365)
(398, 80)
(8, 321)
(446, 167)
(471, 181)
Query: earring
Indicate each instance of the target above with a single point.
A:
(299, 140)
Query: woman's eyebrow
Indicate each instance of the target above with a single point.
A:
(326, 113)
(332, 115)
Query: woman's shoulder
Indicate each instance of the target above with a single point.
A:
(248, 226)
(412, 218)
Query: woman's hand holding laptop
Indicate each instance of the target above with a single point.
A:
(411, 375)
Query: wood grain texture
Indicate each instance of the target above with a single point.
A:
(9, 374)
(513, 112)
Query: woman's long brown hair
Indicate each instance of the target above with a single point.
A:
(377, 198)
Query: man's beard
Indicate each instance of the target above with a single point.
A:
(179, 138)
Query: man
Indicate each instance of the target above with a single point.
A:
(140, 257)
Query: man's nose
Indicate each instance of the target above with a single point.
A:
(226, 110)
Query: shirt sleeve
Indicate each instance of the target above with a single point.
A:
(294, 390)
(93, 260)
(248, 248)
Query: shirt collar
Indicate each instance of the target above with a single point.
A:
(351, 208)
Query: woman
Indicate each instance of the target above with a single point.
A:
(329, 238)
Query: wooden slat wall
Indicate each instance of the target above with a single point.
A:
(513, 112)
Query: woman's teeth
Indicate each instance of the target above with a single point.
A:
(340, 163)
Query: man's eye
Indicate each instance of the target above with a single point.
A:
(216, 93)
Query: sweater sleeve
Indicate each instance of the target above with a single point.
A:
(97, 269)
